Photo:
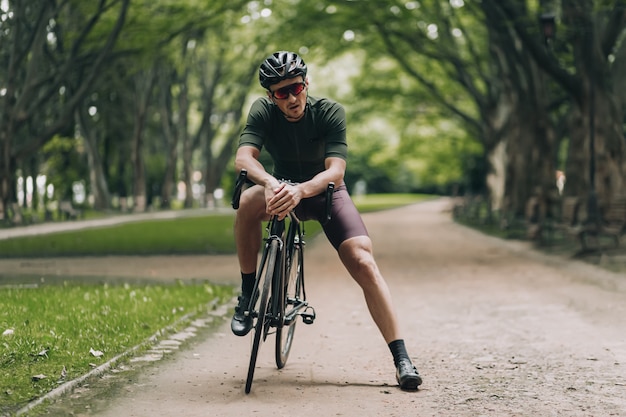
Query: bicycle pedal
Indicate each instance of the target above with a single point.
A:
(308, 315)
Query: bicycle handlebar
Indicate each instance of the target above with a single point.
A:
(329, 201)
(243, 176)
(241, 180)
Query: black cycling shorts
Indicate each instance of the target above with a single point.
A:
(345, 222)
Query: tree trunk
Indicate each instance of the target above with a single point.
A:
(97, 179)
(597, 146)
(216, 166)
(188, 171)
(187, 142)
(6, 174)
(609, 147)
(139, 172)
(607, 135)
(532, 159)
(171, 133)
(143, 90)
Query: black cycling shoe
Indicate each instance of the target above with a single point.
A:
(407, 376)
(241, 323)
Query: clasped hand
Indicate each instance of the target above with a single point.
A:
(281, 200)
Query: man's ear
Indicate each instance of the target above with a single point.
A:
(270, 96)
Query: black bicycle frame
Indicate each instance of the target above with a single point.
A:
(288, 242)
(276, 229)
(277, 311)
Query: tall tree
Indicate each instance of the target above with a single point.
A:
(225, 82)
(175, 61)
(97, 179)
(52, 52)
(207, 93)
(173, 120)
(588, 56)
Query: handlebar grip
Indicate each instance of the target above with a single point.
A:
(241, 180)
(329, 201)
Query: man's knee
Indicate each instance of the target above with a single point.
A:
(356, 253)
(252, 195)
(252, 204)
(356, 246)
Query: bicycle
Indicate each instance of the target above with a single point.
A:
(279, 296)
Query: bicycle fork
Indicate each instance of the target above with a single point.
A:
(299, 305)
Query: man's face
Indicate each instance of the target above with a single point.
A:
(290, 97)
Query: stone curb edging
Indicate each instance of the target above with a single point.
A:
(69, 386)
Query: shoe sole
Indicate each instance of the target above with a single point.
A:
(240, 334)
(410, 383)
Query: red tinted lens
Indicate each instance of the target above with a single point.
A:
(297, 88)
(283, 93)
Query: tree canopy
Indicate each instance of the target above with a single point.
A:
(441, 95)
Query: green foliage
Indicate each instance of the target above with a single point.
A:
(63, 165)
(206, 55)
(158, 29)
(72, 20)
(435, 150)
(54, 328)
(155, 169)
(399, 139)
(423, 82)
(401, 86)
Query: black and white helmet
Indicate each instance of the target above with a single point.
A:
(280, 66)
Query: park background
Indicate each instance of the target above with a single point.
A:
(133, 106)
(118, 107)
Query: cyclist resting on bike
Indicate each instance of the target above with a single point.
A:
(306, 139)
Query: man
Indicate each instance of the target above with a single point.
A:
(306, 138)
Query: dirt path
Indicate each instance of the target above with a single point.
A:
(495, 329)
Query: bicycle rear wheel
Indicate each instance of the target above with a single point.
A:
(261, 308)
(292, 298)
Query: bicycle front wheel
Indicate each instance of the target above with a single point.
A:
(261, 308)
(291, 303)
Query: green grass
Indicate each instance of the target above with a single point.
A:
(211, 234)
(54, 327)
(378, 202)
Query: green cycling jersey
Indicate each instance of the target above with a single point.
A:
(298, 149)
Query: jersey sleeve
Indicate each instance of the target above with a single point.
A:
(335, 135)
(254, 132)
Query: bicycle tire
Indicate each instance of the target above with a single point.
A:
(262, 309)
(292, 291)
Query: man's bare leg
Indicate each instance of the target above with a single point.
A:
(248, 233)
(357, 255)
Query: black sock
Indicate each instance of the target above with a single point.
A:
(398, 350)
(247, 282)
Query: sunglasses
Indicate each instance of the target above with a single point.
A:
(283, 93)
